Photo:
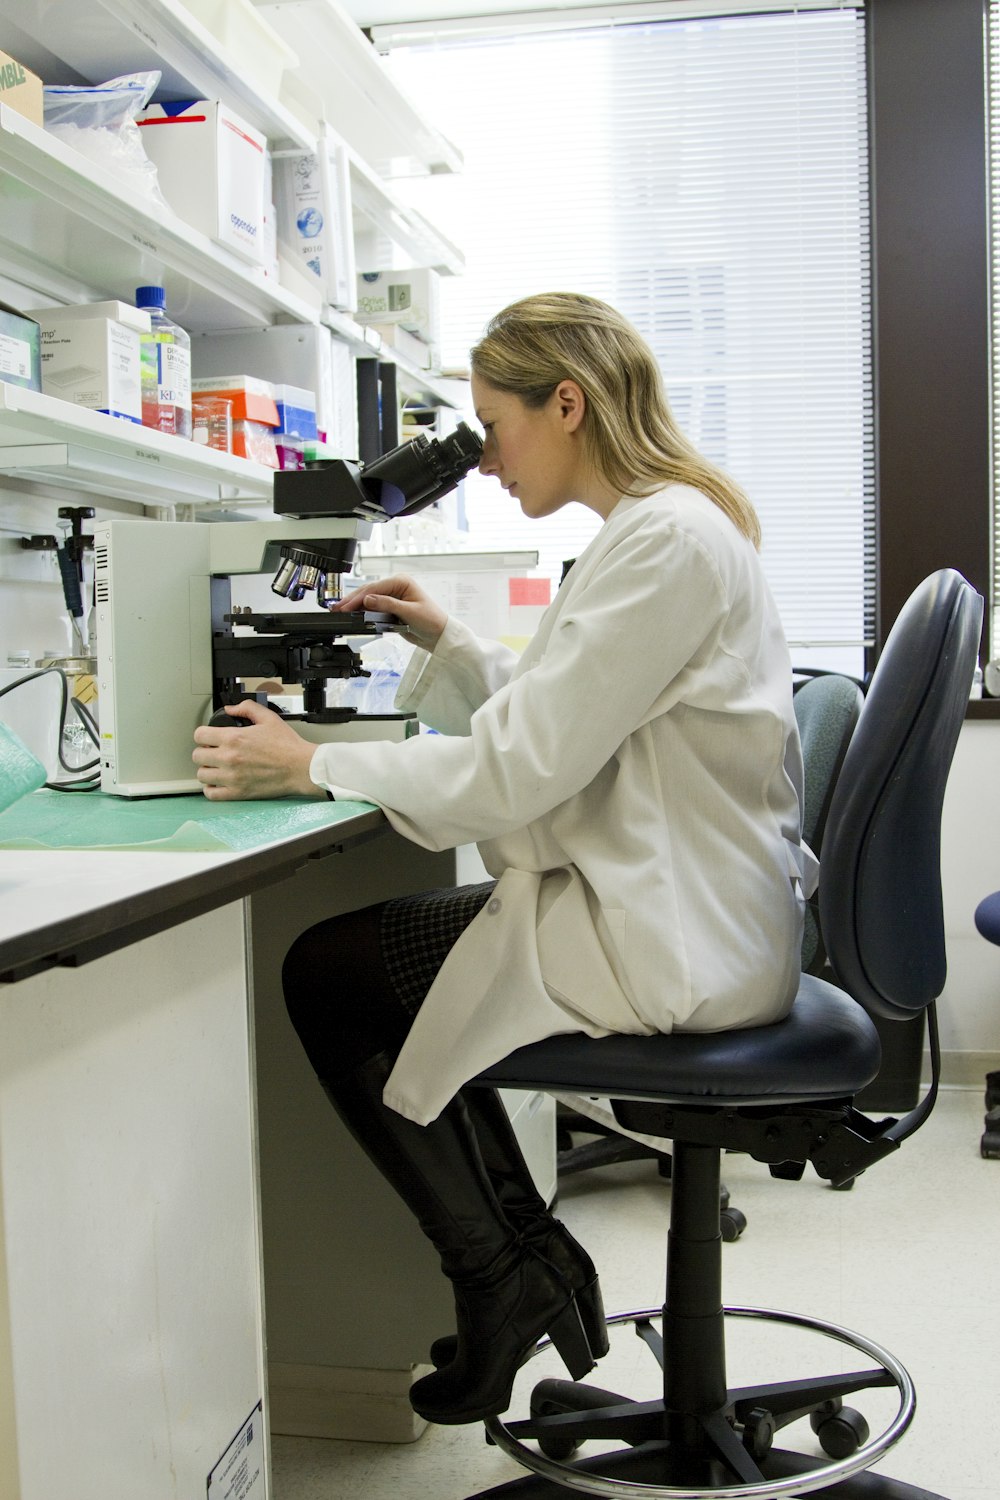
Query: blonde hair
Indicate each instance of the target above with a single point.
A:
(632, 439)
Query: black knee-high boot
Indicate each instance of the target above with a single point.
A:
(506, 1295)
(526, 1212)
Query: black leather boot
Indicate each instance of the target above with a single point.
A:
(506, 1296)
(526, 1212)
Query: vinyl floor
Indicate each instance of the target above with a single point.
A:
(910, 1257)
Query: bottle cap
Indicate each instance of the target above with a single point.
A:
(150, 296)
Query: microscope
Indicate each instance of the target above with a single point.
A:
(172, 649)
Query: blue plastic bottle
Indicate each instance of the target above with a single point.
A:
(166, 367)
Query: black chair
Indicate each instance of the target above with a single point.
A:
(782, 1094)
(827, 706)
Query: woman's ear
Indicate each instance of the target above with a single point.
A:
(572, 404)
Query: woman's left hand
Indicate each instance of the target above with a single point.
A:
(264, 758)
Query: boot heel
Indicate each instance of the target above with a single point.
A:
(569, 1338)
(595, 1325)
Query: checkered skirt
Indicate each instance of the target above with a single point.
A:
(417, 933)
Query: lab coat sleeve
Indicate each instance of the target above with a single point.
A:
(445, 687)
(614, 661)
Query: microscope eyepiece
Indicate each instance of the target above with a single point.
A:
(422, 470)
(398, 483)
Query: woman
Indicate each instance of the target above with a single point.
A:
(633, 783)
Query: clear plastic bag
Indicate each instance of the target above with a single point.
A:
(99, 120)
(386, 659)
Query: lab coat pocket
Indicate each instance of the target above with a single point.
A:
(581, 955)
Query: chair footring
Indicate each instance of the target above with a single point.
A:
(865, 1486)
(672, 1456)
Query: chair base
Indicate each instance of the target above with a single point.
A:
(858, 1487)
(727, 1453)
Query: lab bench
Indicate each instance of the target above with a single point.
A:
(167, 1160)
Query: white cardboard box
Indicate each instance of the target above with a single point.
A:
(91, 355)
(211, 169)
(408, 297)
(314, 223)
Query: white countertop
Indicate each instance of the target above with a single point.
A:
(69, 905)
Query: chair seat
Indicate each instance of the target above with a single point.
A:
(826, 1048)
(988, 918)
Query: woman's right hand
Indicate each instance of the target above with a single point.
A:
(400, 596)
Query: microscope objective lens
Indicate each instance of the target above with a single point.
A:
(328, 590)
(286, 578)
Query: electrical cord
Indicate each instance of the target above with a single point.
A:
(76, 782)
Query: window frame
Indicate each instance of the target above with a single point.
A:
(930, 299)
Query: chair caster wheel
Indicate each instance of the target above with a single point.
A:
(559, 1449)
(732, 1223)
(758, 1433)
(841, 1431)
(559, 1446)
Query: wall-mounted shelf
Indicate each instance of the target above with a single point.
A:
(378, 211)
(115, 37)
(44, 439)
(431, 389)
(361, 101)
(58, 209)
(366, 343)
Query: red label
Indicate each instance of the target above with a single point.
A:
(529, 590)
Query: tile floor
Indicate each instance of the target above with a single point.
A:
(910, 1257)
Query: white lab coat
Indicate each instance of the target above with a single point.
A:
(633, 782)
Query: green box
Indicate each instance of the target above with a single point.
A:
(20, 349)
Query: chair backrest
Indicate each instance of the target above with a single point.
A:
(881, 909)
(827, 709)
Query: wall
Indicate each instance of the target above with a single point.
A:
(970, 858)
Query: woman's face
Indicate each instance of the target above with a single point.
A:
(536, 453)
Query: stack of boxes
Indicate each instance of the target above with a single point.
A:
(270, 424)
(254, 413)
(297, 384)
(404, 307)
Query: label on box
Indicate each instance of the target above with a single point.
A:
(239, 1474)
(15, 357)
(93, 362)
(312, 203)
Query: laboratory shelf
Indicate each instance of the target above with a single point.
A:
(131, 36)
(362, 102)
(367, 343)
(377, 208)
(53, 442)
(60, 209)
(435, 390)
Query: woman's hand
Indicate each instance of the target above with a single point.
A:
(400, 596)
(265, 758)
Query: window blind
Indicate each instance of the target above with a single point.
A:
(707, 176)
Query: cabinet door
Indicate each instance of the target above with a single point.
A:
(131, 1323)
